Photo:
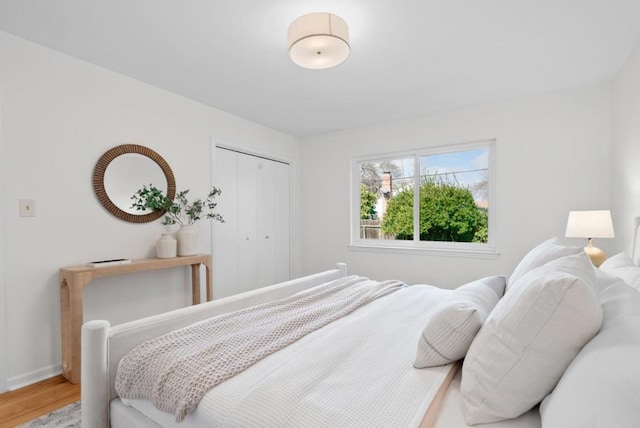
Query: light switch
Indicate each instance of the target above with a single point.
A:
(27, 208)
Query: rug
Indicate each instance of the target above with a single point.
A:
(65, 417)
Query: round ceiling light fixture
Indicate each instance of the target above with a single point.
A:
(318, 40)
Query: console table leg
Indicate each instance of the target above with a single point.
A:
(65, 326)
(71, 324)
(208, 279)
(195, 283)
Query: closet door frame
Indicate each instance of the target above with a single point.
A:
(215, 144)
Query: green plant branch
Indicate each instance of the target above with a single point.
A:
(179, 210)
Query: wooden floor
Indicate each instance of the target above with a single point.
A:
(24, 404)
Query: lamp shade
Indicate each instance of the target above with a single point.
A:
(318, 40)
(589, 224)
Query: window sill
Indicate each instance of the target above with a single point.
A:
(445, 252)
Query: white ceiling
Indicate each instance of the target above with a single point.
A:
(409, 57)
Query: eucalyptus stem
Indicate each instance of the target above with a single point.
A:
(179, 210)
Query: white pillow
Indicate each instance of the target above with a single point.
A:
(455, 322)
(549, 250)
(529, 339)
(623, 267)
(600, 387)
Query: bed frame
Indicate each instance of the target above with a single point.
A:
(104, 346)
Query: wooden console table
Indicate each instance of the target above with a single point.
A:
(73, 279)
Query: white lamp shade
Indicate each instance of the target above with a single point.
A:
(318, 40)
(589, 224)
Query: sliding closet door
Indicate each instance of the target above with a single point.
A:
(247, 193)
(251, 249)
(266, 215)
(273, 221)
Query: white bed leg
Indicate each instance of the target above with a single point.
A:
(94, 391)
(343, 269)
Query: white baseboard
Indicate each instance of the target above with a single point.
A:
(33, 377)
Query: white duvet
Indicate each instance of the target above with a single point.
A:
(357, 372)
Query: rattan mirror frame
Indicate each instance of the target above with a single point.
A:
(101, 193)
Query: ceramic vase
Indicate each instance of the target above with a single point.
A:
(166, 246)
(187, 240)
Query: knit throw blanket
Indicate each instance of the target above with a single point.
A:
(176, 370)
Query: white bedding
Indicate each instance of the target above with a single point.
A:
(314, 383)
(174, 371)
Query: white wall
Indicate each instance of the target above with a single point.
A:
(625, 169)
(59, 115)
(553, 154)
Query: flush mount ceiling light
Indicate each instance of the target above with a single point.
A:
(318, 40)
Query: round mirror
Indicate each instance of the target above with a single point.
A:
(122, 171)
(126, 174)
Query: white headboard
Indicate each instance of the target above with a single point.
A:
(635, 250)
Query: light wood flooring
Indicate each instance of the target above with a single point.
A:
(24, 404)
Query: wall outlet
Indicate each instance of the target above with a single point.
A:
(27, 208)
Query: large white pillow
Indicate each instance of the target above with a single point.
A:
(601, 387)
(549, 250)
(529, 339)
(455, 322)
(623, 267)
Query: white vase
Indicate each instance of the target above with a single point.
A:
(187, 240)
(166, 246)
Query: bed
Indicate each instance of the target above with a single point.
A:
(360, 370)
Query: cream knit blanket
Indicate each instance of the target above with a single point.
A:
(176, 370)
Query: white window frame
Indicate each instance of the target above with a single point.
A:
(465, 249)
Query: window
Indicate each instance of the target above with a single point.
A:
(437, 199)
